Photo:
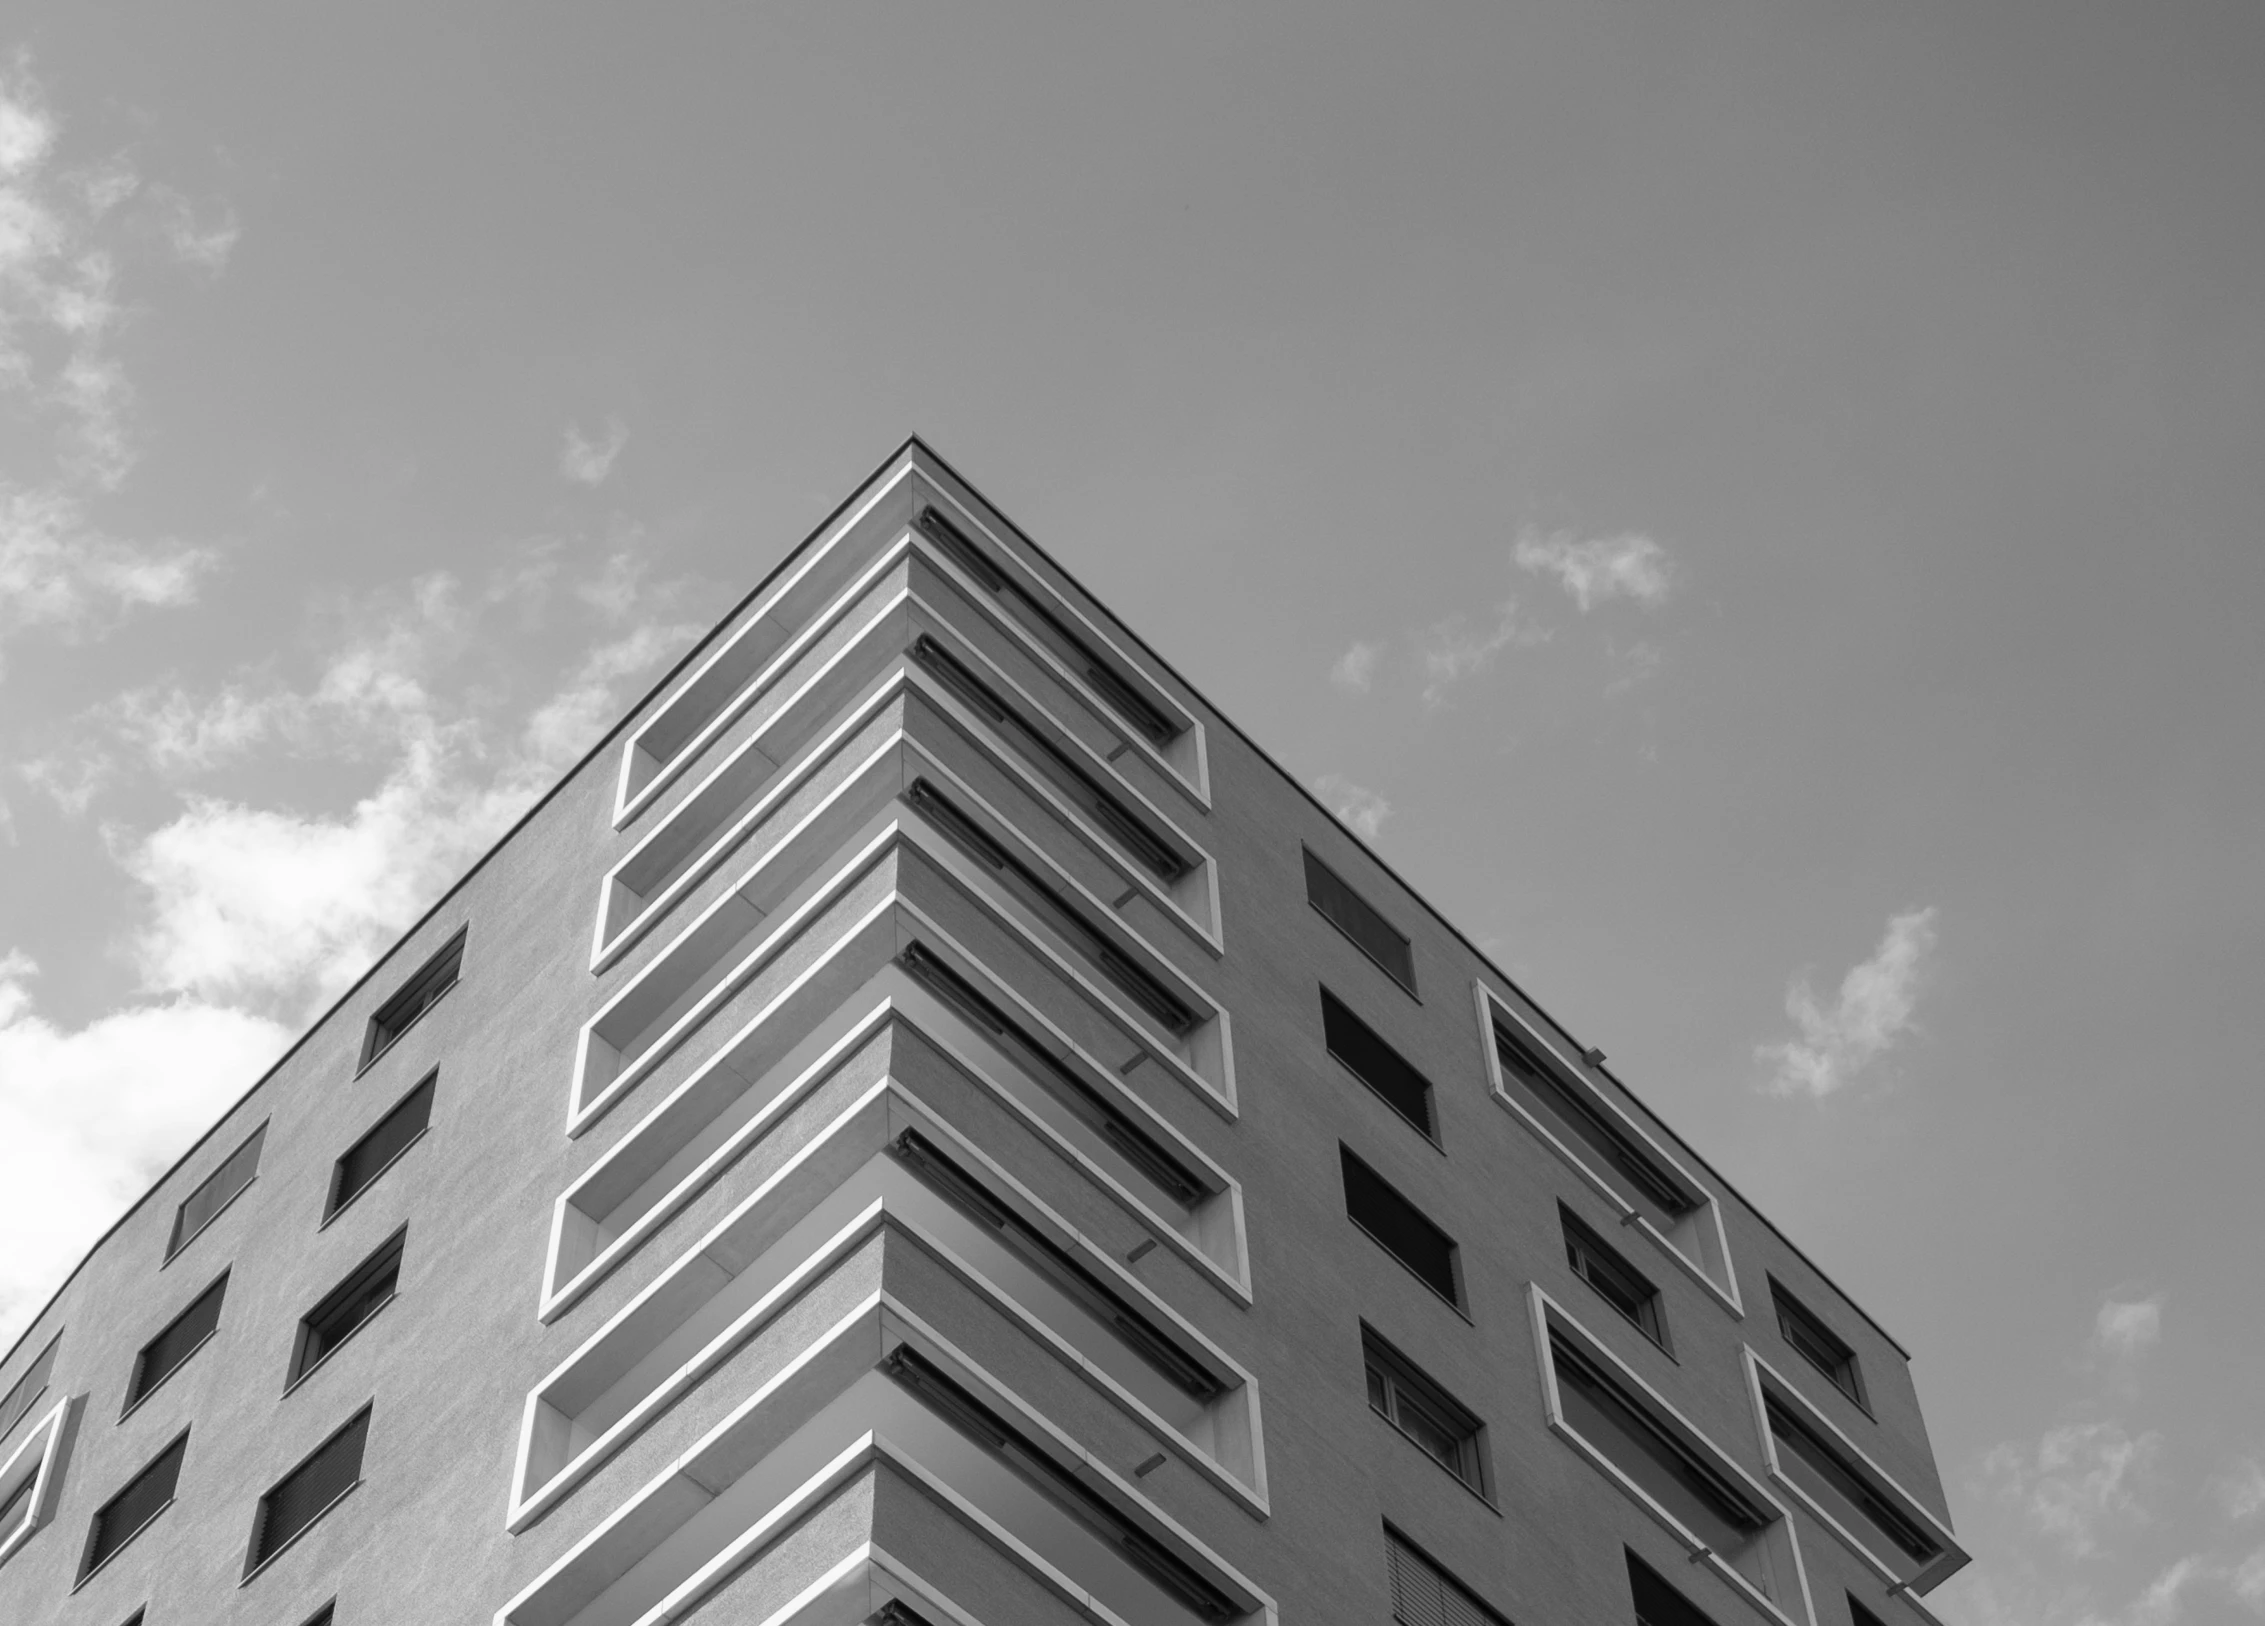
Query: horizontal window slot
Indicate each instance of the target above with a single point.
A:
(1360, 920)
(182, 1337)
(308, 1491)
(1375, 1063)
(220, 1188)
(1130, 979)
(415, 997)
(358, 1169)
(1569, 1106)
(1401, 1229)
(1846, 1491)
(346, 1307)
(134, 1506)
(1128, 703)
(1124, 826)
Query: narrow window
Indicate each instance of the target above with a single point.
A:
(1817, 1343)
(14, 1503)
(1353, 915)
(24, 1393)
(1644, 1448)
(1841, 1487)
(416, 996)
(1400, 1229)
(203, 1205)
(386, 1140)
(347, 1306)
(128, 1513)
(1424, 1594)
(1657, 1603)
(1037, 1468)
(183, 1336)
(1423, 1411)
(1383, 1069)
(1575, 1109)
(322, 1616)
(1858, 1615)
(1614, 1280)
(308, 1491)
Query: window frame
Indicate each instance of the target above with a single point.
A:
(1313, 861)
(1786, 1306)
(41, 1475)
(255, 1565)
(1459, 1300)
(301, 1369)
(177, 1243)
(414, 987)
(1582, 1237)
(1429, 1130)
(135, 1394)
(333, 1204)
(1404, 1382)
(89, 1565)
(23, 1395)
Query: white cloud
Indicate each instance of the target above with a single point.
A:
(1454, 651)
(194, 241)
(2125, 1327)
(1362, 809)
(1873, 1013)
(1600, 568)
(2248, 1580)
(2080, 1478)
(58, 572)
(89, 1116)
(2241, 1490)
(2161, 1602)
(586, 461)
(1356, 668)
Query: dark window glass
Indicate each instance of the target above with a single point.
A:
(1817, 1343)
(1574, 1109)
(202, 1205)
(387, 1139)
(1376, 1063)
(1657, 1603)
(1616, 1281)
(14, 1502)
(144, 1497)
(1423, 1594)
(306, 1493)
(1818, 1467)
(416, 996)
(1423, 1411)
(1858, 1615)
(896, 1612)
(322, 1616)
(1353, 915)
(182, 1337)
(24, 1393)
(1645, 1449)
(1400, 1228)
(349, 1304)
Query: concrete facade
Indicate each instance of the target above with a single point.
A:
(753, 1271)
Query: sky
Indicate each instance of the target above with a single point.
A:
(1755, 509)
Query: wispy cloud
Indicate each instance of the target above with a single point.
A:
(1356, 668)
(1834, 1045)
(586, 460)
(1598, 568)
(1454, 651)
(61, 243)
(2125, 1327)
(2079, 1479)
(1362, 809)
(2240, 1491)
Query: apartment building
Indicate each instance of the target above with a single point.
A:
(928, 1123)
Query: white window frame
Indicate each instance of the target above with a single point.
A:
(1714, 1237)
(39, 1459)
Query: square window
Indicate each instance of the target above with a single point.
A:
(1817, 1343)
(1440, 1425)
(1612, 1277)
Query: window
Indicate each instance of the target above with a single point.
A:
(1377, 1064)
(1423, 1411)
(1645, 1448)
(128, 1513)
(352, 1302)
(203, 1205)
(1122, 698)
(308, 1491)
(1423, 1594)
(1353, 915)
(417, 996)
(1843, 1489)
(15, 1503)
(1858, 1615)
(322, 1616)
(27, 1475)
(1574, 1109)
(1616, 1281)
(1400, 1229)
(24, 1393)
(183, 1336)
(387, 1139)
(1657, 1603)
(1817, 1343)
